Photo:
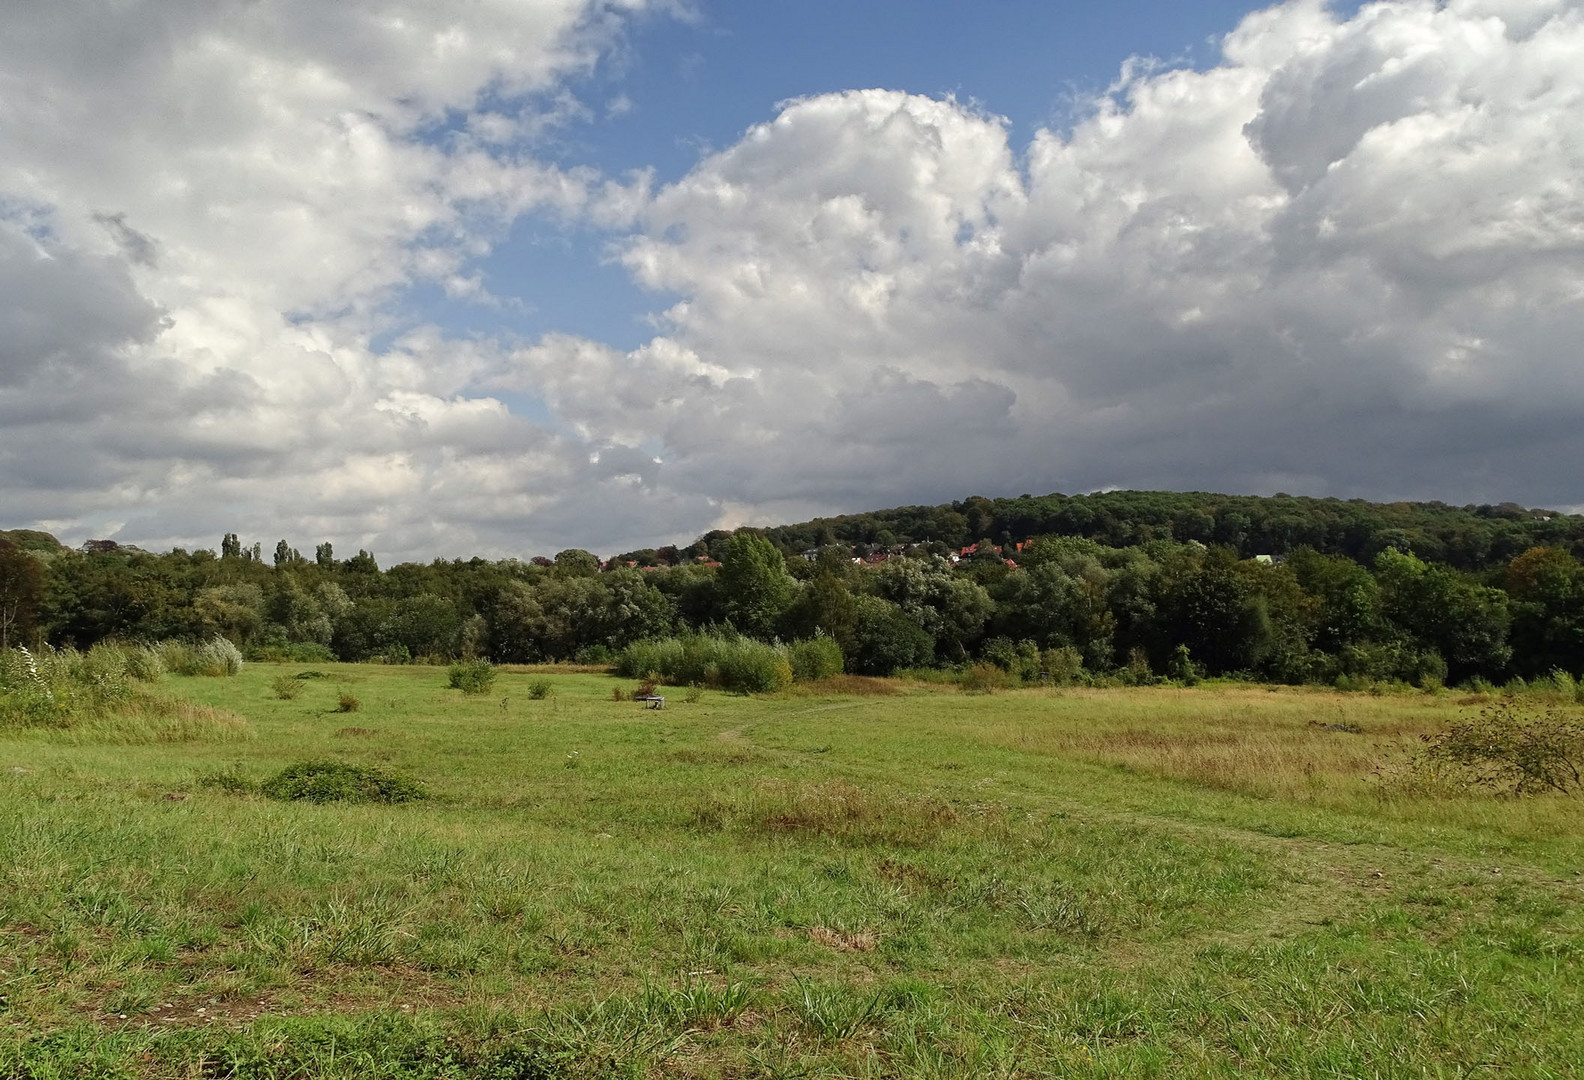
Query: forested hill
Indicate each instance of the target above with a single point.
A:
(1469, 537)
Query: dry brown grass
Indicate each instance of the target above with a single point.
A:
(1282, 743)
(847, 686)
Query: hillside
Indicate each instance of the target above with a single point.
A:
(1468, 537)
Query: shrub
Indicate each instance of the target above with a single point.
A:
(694, 695)
(1064, 665)
(323, 781)
(1181, 668)
(295, 652)
(348, 703)
(472, 676)
(983, 679)
(1505, 749)
(1020, 660)
(817, 658)
(541, 688)
(285, 688)
(728, 662)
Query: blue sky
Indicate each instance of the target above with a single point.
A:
(684, 87)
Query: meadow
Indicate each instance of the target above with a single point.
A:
(858, 878)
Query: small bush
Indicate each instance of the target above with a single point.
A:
(541, 688)
(1504, 749)
(1064, 666)
(472, 676)
(285, 688)
(348, 703)
(295, 652)
(815, 659)
(984, 679)
(717, 660)
(618, 694)
(324, 781)
(694, 695)
(1019, 659)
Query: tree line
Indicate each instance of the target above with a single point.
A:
(1165, 605)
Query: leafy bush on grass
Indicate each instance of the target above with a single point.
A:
(1505, 749)
(295, 652)
(323, 781)
(285, 688)
(725, 661)
(348, 703)
(984, 679)
(472, 676)
(541, 688)
(817, 658)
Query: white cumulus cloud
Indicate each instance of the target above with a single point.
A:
(1346, 259)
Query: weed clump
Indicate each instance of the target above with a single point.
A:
(214, 658)
(541, 688)
(324, 781)
(285, 688)
(348, 703)
(472, 676)
(1504, 749)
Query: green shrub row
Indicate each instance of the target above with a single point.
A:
(730, 662)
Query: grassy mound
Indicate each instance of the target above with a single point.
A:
(324, 781)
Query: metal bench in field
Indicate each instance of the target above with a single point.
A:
(652, 701)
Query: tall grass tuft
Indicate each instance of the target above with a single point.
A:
(214, 658)
(102, 696)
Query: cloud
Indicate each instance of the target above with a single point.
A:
(1348, 259)
(1345, 260)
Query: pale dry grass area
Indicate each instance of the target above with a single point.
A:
(1303, 745)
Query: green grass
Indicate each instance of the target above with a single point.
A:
(1122, 883)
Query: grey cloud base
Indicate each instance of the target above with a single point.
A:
(1347, 260)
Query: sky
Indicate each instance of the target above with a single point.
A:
(501, 277)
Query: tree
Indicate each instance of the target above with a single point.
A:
(575, 562)
(283, 553)
(825, 605)
(1547, 589)
(324, 555)
(886, 639)
(230, 546)
(21, 591)
(1466, 622)
(756, 589)
(950, 609)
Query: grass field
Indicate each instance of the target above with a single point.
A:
(916, 882)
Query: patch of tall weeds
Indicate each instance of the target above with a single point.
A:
(1508, 748)
(725, 661)
(103, 695)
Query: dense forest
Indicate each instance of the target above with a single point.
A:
(1132, 585)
